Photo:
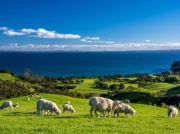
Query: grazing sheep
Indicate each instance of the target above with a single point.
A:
(127, 101)
(102, 104)
(122, 101)
(15, 105)
(172, 112)
(124, 108)
(48, 106)
(7, 104)
(68, 107)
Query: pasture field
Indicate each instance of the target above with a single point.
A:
(88, 87)
(24, 120)
(6, 76)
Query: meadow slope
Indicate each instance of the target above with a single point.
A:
(23, 119)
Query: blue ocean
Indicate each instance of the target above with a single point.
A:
(65, 64)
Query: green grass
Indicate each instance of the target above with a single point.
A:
(6, 76)
(88, 87)
(23, 119)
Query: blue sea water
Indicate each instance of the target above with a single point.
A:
(64, 64)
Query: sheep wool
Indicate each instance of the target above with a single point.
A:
(102, 104)
(48, 106)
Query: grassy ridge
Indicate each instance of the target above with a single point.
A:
(148, 119)
(6, 76)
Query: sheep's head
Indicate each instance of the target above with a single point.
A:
(170, 111)
(72, 111)
(58, 112)
(117, 104)
(133, 112)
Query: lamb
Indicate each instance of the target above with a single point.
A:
(7, 104)
(68, 107)
(102, 104)
(127, 101)
(48, 106)
(172, 112)
(16, 104)
(124, 108)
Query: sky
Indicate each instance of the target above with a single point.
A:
(89, 25)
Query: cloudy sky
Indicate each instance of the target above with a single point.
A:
(89, 25)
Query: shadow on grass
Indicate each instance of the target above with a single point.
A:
(173, 91)
(72, 116)
(19, 113)
(100, 88)
(160, 117)
(48, 116)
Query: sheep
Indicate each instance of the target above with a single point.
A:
(102, 104)
(16, 104)
(127, 101)
(7, 104)
(172, 112)
(48, 106)
(68, 107)
(124, 108)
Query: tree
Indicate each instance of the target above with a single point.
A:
(114, 87)
(172, 79)
(175, 67)
(121, 86)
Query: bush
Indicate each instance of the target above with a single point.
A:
(172, 79)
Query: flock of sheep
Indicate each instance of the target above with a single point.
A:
(100, 104)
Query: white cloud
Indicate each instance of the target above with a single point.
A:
(3, 28)
(11, 32)
(105, 47)
(40, 33)
(91, 38)
(28, 30)
(84, 40)
(146, 41)
(109, 42)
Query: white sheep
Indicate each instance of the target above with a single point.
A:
(127, 101)
(124, 108)
(102, 105)
(172, 112)
(48, 106)
(68, 107)
(7, 104)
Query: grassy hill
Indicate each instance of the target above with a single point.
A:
(146, 94)
(148, 118)
(23, 119)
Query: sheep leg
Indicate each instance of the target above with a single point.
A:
(126, 114)
(95, 111)
(104, 114)
(109, 112)
(115, 113)
(118, 114)
(42, 112)
(38, 112)
(50, 112)
(91, 112)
